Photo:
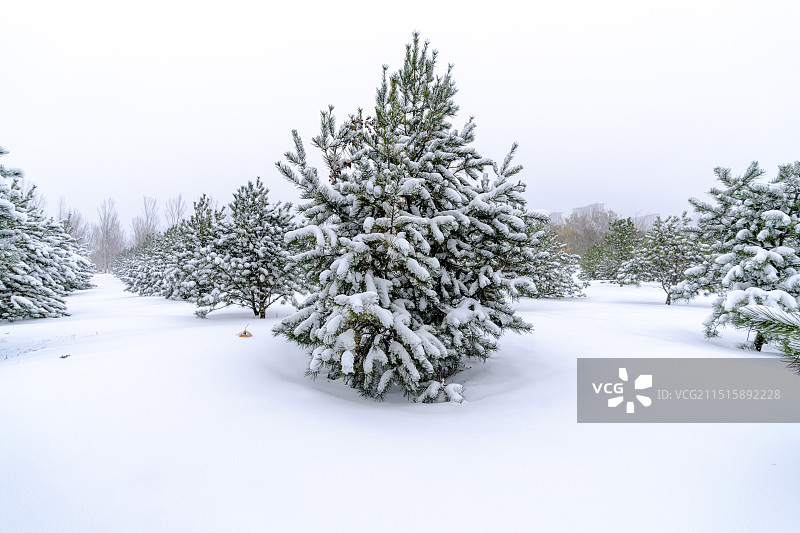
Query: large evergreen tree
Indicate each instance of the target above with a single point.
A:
(416, 252)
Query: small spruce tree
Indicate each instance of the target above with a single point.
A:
(191, 276)
(248, 260)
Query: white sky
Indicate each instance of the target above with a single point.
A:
(628, 103)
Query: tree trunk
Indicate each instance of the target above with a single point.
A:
(759, 342)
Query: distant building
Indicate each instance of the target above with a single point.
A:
(644, 222)
(586, 209)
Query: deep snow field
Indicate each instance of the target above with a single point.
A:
(163, 422)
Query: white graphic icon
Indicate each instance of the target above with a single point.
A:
(644, 381)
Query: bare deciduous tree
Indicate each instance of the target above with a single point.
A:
(145, 225)
(584, 227)
(73, 222)
(108, 237)
(174, 211)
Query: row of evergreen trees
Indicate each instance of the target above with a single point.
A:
(40, 263)
(743, 248)
(661, 255)
(235, 255)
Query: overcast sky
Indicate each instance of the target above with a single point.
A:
(628, 103)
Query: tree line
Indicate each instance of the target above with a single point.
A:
(106, 238)
(742, 248)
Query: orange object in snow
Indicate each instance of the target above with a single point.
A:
(245, 333)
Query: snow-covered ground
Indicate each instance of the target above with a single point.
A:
(159, 421)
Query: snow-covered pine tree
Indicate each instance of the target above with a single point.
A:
(12, 237)
(666, 252)
(754, 230)
(191, 277)
(716, 227)
(248, 259)
(591, 262)
(417, 253)
(29, 289)
(603, 260)
(553, 269)
(618, 246)
(174, 264)
(781, 327)
(124, 267)
(40, 262)
(171, 251)
(142, 268)
(57, 255)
